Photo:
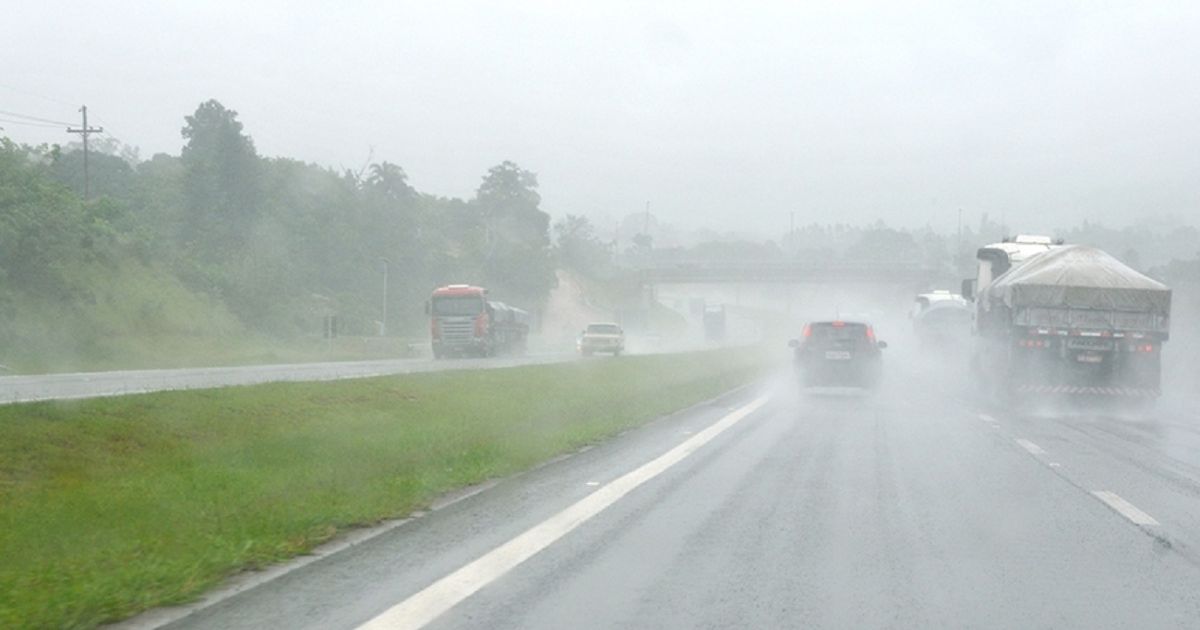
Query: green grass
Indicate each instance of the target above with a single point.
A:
(112, 506)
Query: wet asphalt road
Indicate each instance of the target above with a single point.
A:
(908, 508)
(26, 388)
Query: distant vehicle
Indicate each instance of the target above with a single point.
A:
(839, 353)
(941, 318)
(925, 300)
(463, 322)
(714, 322)
(1068, 320)
(602, 337)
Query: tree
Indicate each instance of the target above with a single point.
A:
(579, 248)
(516, 232)
(389, 181)
(221, 183)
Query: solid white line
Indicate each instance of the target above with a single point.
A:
(1124, 508)
(1030, 446)
(444, 594)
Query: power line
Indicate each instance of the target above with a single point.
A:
(31, 123)
(28, 117)
(35, 95)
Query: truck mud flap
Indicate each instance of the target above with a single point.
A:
(1131, 392)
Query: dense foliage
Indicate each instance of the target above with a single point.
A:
(278, 242)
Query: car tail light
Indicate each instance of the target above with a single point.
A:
(870, 334)
(838, 324)
(807, 330)
(1143, 347)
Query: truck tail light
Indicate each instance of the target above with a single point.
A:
(435, 331)
(1034, 343)
(870, 334)
(481, 324)
(1143, 347)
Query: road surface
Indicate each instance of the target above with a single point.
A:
(26, 388)
(908, 508)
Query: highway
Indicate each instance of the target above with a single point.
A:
(772, 508)
(28, 388)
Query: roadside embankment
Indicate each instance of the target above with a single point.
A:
(112, 506)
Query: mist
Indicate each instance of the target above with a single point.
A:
(1044, 113)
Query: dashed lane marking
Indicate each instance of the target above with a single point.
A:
(1124, 508)
(1030, 446)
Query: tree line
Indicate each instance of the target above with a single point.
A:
(279, 242)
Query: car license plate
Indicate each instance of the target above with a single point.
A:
(1089, 357)
(837, 355)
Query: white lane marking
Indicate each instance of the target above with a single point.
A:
(592, 483)
(986, 418)
(1030, 446)
(435, 599)
(1055, 464)
(1124, 508)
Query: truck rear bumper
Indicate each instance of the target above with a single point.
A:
(1091, 390)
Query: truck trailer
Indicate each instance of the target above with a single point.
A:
(1066, 320)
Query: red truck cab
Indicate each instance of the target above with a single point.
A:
(463, 322)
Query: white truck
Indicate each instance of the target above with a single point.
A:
(1065, 320)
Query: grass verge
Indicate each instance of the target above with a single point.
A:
(112, 506)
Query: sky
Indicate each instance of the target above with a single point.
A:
(724, 116)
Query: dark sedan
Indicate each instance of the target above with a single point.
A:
(840, 353)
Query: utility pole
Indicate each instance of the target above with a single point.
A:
(84, 132)
(791, 237)
(383, 324)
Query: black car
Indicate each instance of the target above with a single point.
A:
(839, 353)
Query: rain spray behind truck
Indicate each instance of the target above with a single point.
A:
(463, 322)
(1065, 320)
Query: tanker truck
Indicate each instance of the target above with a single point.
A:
(1055, 320)
(463, 322)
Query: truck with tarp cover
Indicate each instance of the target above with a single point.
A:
(1068, 320)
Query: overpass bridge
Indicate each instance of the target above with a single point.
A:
(785, 272)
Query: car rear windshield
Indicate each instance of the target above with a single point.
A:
(839, 331)
(464, 305)
(604, 329)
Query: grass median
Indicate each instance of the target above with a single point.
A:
(112, 506)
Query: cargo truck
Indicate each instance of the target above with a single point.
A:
(1065, 320)
(463, 322)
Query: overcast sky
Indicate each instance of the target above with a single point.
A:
(721, 115)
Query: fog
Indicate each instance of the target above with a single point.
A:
(726, 117)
